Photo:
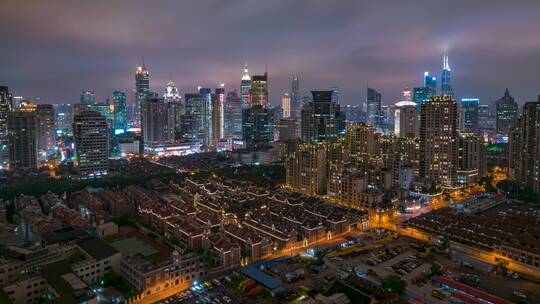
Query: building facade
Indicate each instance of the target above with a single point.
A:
(91, 137)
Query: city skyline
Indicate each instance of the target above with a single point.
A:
(88, 47)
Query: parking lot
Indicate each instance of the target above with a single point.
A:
(208, 292)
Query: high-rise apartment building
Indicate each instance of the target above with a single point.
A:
(22, 126)
(155, 132)
(257, 130)
(233, 116)
(524, 147)
(507, 113)
(438, 140)
(218, 102)
(91, 137)
(197, 121)
(471, 158)
(406, 121)
(306, 169)
(321, 118)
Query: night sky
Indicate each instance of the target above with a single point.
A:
(55, 49)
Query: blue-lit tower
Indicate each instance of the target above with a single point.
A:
(120, 112)
(446, 78)
(430, 83)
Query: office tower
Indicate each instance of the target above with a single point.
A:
(321, 118)
(218, 101)
(295, 97)
(286, 105)
(6, 105)
(406, 122)
(197, 122)
(468, 115)
(430, 83)
(420, 95)
(259, 90)
(171, 93)
(46, 139)
(154, 122)
(22, 139)
(524, 147)
(507, 113)
(88, 97)
(245, 87)
(387, 117)
(306, 169)
(446, 78)
(336, 96)
(120, 112)
(91, 138)
(142, 89)
(63, 119)
(107, 110)
(486, 122)
(257, 130)
(471, 158)
(373, 106)
(175, 110)
(17, 102)
(233, 116)
(438, 140)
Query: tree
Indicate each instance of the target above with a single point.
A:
(510, 188)
(394, 283)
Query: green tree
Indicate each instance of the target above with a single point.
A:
(394, 283)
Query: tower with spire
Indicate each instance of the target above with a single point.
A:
(446, 77)
(245, 87)
(295, 97)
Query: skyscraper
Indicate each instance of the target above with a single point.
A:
(446, 78)
(286, 105)
(197, 122)
(6, 105)
(430, 83)
(438, 140)
(218, 101)
(406, 122)
(471, 158)
(88, 97)
(142, 88)
(120, 112)
(295, 97)
(507, 113)
(91, 144)
(245, 87)
(175, 110)
(468, 115)
(46, 138)
(321, 118)
(22, 139)
(336, 96)
(233, 116)
(259, 90)
(373, 106)
(524, 147)
(63, 119)
(154, 123)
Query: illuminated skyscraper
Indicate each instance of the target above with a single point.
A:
(218, 101)
(120, 112)
(91, 137)
(45, 132)
(507, 113)
(154, 123)
(171, 92)
(245, 87)
(6, 105)
(321, 118)
(233, 116)
(22, 139)
(286, 105)
(259, 90)
(197, 122)
(438, 140)
(430, 82)
(88, 97)
(142, 88)
(373, 106)
(257, 130)
(175, 110)
(446, 78)
(468, 115)
(295, 97)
